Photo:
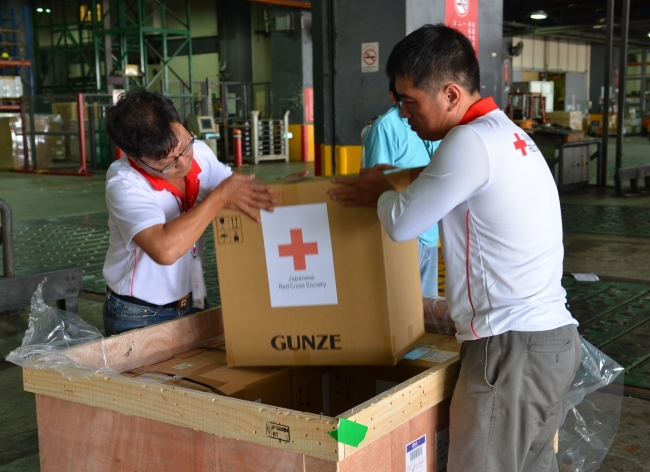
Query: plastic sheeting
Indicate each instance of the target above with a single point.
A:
(50, 331)
(592, 412)
(436, 316)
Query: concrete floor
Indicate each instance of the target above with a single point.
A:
(41, 197)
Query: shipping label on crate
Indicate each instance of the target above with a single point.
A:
(278, 431)
(416, 455)
(299, 260)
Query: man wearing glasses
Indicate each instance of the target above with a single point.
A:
(161, 196)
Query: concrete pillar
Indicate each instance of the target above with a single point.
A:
(292, 75)
(346, 96)
(235, 36)
(644, 83)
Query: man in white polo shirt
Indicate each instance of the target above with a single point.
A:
(501, 230)
(161, 196)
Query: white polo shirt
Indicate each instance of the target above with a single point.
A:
(501, 228)
(133, 205)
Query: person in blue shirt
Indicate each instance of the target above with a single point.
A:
(390, 140)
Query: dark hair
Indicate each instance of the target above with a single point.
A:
(140, 124)
(393, 90)
(434, 56)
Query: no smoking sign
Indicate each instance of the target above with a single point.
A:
(369, 57)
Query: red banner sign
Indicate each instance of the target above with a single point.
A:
(463, 15)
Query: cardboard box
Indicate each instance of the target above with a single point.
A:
(69, 111)
(316, 283)
(188, 364)
(568, 119)
(351, 386)
(311, 389)
(205, 370)
(9, 141)
(268, 385)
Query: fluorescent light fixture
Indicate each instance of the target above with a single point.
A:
(648, 35)
(47, 10)
(538, 15)
(40, 10)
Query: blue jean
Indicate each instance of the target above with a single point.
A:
(120, 316)
(428, 269)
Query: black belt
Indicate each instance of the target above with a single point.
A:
(178, 304)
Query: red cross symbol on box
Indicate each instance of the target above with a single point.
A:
(298, 250)
(520, 145)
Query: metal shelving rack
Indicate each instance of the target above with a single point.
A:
(99, 42)
(15, 46)
(64, 55)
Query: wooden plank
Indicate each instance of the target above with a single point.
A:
(224, 416)
(73, 436)
(150, 345)
(397, 406)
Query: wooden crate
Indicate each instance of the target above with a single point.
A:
(120, 423)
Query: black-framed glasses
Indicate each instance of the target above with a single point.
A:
(172, 164)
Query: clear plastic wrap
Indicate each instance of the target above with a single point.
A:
(49, 332)
(592, 412)
(436, 316)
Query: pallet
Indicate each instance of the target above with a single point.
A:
(108, 422)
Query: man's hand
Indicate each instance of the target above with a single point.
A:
(384, 167)
(364, 190)
(297, 175)
(239, 192)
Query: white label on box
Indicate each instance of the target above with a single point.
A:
(442, 449)
(154, 378)
(439, 356)
(299, 259)
(416, 455)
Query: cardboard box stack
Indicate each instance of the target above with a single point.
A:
(322, 311)
(70, 122)
(320, 390)
(11, 86)
(568, 119)
(48, 148)
(316, 283)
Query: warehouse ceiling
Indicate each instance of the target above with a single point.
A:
(581, 19)
(575, 19)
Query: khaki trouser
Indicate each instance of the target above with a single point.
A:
(507, 404)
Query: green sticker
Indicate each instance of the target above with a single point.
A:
(349, 432)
